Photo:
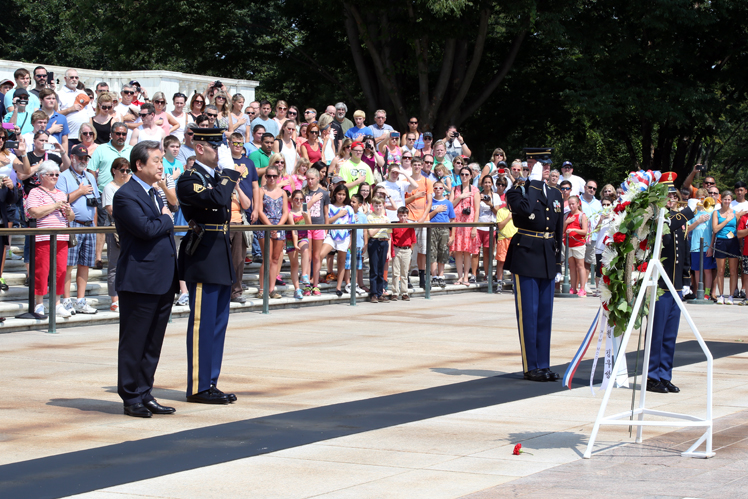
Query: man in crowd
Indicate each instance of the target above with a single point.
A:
(23, 80)
(261, 157)
(577, 182)
(310, 115)
(410, 144)
(379, 126)
(355, 171)
(706, 183)
(211, 112)
(186, 150)
(102, 87)
(553, 178)
(359, 130)
(5, 86)
(418, 201)
(592, 208)
(427, 166)
(83, 197)
(57, 124)
(456, 144)
(264, 119)
(104, 155)
(40, 82)
(340, 111)
(21, 114)
(75, 113)
(253, 111)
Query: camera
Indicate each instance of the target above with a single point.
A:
(217, 84)
(485, 198)
(11, 144)
(91, 202)
(48, 147)
(369, 146)
(455, 134)
(466, 211)
(701, 168)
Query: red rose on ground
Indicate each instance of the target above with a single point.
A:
(642, 267)
(619, 237)
(643, 244)
(517, 449)
(606, 280)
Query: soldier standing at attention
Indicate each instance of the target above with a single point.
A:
(204, 193)
(534, 257)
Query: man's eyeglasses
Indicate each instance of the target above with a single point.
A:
(128, 92)
(427, 138)
(309, 112)
(71, 77)
(143, 115)
(592, 188)
(209, 115)
(709, 183)
(429, 162)
(120, 134)
(41, 76)
(237, 144)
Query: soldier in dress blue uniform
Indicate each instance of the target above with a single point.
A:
(534, 257)
(667, 313)
(205, 262)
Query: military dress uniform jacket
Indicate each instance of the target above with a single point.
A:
(675, 247)
(535, 250)
(210, 206)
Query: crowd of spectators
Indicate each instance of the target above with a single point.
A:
(297, 169)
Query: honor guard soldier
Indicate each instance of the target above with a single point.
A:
(205, 261)
(534, 257)
(667, 312)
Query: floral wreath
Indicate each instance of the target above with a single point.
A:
(628, 246)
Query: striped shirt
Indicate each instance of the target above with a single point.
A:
(39, 197)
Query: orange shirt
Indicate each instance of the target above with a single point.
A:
(236, 209)
(417, 208)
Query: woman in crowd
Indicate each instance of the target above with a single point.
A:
(493, 165)
(148, 130)
(87, 137)
(311, 149)
(565, 188)
(490, 202)
(391, 152)
(293, 115)
(274, 212)
(221, 101)
(197, 106)
(412, 128)
(179, 100)
(428, 141)
(238, 120)
(284, 143)
(298, 177)
(700, 227)
(466, 201)
(576, 228)
(120, 174)
(374, 160)
(726, 246)
(281, 108)
(365, 190)
(103, 119)
(457, 165)
(327, 138)
(168, 124)
(608, 191)
(297, 244)
(501, 184)
(49, 206)
(343, 155)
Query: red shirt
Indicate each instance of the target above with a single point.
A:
(405, 237)
(742, 226)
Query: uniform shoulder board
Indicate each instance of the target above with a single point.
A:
(537, 188)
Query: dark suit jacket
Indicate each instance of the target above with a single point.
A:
(147, 261)
(532, 256)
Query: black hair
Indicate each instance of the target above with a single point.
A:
(267, 135)
(341, 188)
(142, 152)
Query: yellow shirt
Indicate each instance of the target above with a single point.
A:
(509, 229)
(381, 219)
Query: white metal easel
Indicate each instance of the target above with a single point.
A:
(654, 272)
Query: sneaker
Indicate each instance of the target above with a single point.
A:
(247, 260)
(405, 298)
(720, 300)
(471, 280)
(114, 307)
(442, 282)
(81, 307)
(279, 281)
(728, 300)
(339, 293)
(3, 285)
(39, 309)
(573, 291)
(13, 256)
(184, 300)
(348, 288)
(360, 291)
(736, 294)
(62, 311)
(582, 293)
(276, 295)
(742, 294)
(316, 291)
(298, 294)
(68, 304)
(307, 292)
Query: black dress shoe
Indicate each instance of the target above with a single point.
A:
(157, 408)
(656, 386)
(670, 387)
(137, 411)
(537, 375)
(230, 396)
(551, 375)
(208, 397)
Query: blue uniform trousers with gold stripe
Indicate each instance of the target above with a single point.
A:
(533, 301)
(206, 332)
(664, 334)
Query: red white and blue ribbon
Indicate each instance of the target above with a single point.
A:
(569, 375)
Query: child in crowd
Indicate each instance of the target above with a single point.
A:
(606, 216)
(442, 211)
(297, 243)
(172, 166)
(403, 241)
(575, 227)
(190, 163)
(298, 177)
(505, 230)
(359, 217)
(340, 212)
(377, 247)
(317, 201)
(701, 227)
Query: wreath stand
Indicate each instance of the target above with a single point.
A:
(654, 272)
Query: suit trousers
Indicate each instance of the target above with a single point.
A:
(206, 332)
(533, 300)
(664, 334)
(142, 325)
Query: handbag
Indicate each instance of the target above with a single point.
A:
(73, 241)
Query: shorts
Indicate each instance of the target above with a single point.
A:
(727, 248)
(420, 246)
(502, 247)
(483, 238)
(577, 252)
(290, 248)
(439, 244)
(709, 262)
(83, 253)
(359, 259)
(589, 253)
(338, 245)
(274, 234)
(316, 235)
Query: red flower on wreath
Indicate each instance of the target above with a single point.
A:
(643, 245)
(517, 450)
(642, 267)
(605, 306)
(621, 207)
(606, 280)
(619, 237)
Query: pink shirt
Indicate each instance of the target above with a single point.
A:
(39, 197)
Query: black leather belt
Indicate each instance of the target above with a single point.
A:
(84, 224)
(403, 247)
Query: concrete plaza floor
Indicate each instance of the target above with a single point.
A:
(417, 399)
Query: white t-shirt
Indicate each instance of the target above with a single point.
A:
(396, 190)
(76, 119)
(485, 214)
(577, 184)
(67, 98)
(739, 206)
(122, 110)
(108, 195)
(179, 132)
(29, 139)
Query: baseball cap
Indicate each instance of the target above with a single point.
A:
(567, 163)
(428, 134)
(79, 150)
(12, 84)
(134, 82)
(337, 178)
(356, 144)
(20, 92)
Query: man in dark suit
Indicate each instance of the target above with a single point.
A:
(205, 262)
(534, 257)
(146, 279)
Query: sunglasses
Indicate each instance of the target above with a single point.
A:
(199, 101)
(412, 122)
(209, 115)
(71, 77)
(126, 171)
(312, 131)
(142, 115)
(292, 113)
(87, 134)
(120, 134)
(592, 188)
(565, 188)
(190, 134)
(310, 112)
(709, 183)
(271, 176)
(429, 162)
(281, 108)
(237, 144)
(464, 174)
(407, 157)
(106, 108)
(251, 113)
(279, 163)
(41, 76)
(52, 175)
(427, 138)
(162, 102)
(438, 188)
(128, 92)
(179, 94)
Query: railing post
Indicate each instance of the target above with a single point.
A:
(52, 283)
(32, 271)
(427, 273)
(266, 274)
(489, 276)
(354, 265)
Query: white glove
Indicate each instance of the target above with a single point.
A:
(225, 161)
(537, 172)
(559, 277)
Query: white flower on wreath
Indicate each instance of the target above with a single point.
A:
(630, 194)
(640, 254)
(608, 255)
(605, 294)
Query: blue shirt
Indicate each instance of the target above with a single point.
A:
(23, 121)
(58, 118)
(169, 166)
(270, 125)
(68, 182)
(32, 106)
(250, 148)
(245, 182)
(702, 230)
(353, 131)
(142, 184)
(444, 216)
(360, 218)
